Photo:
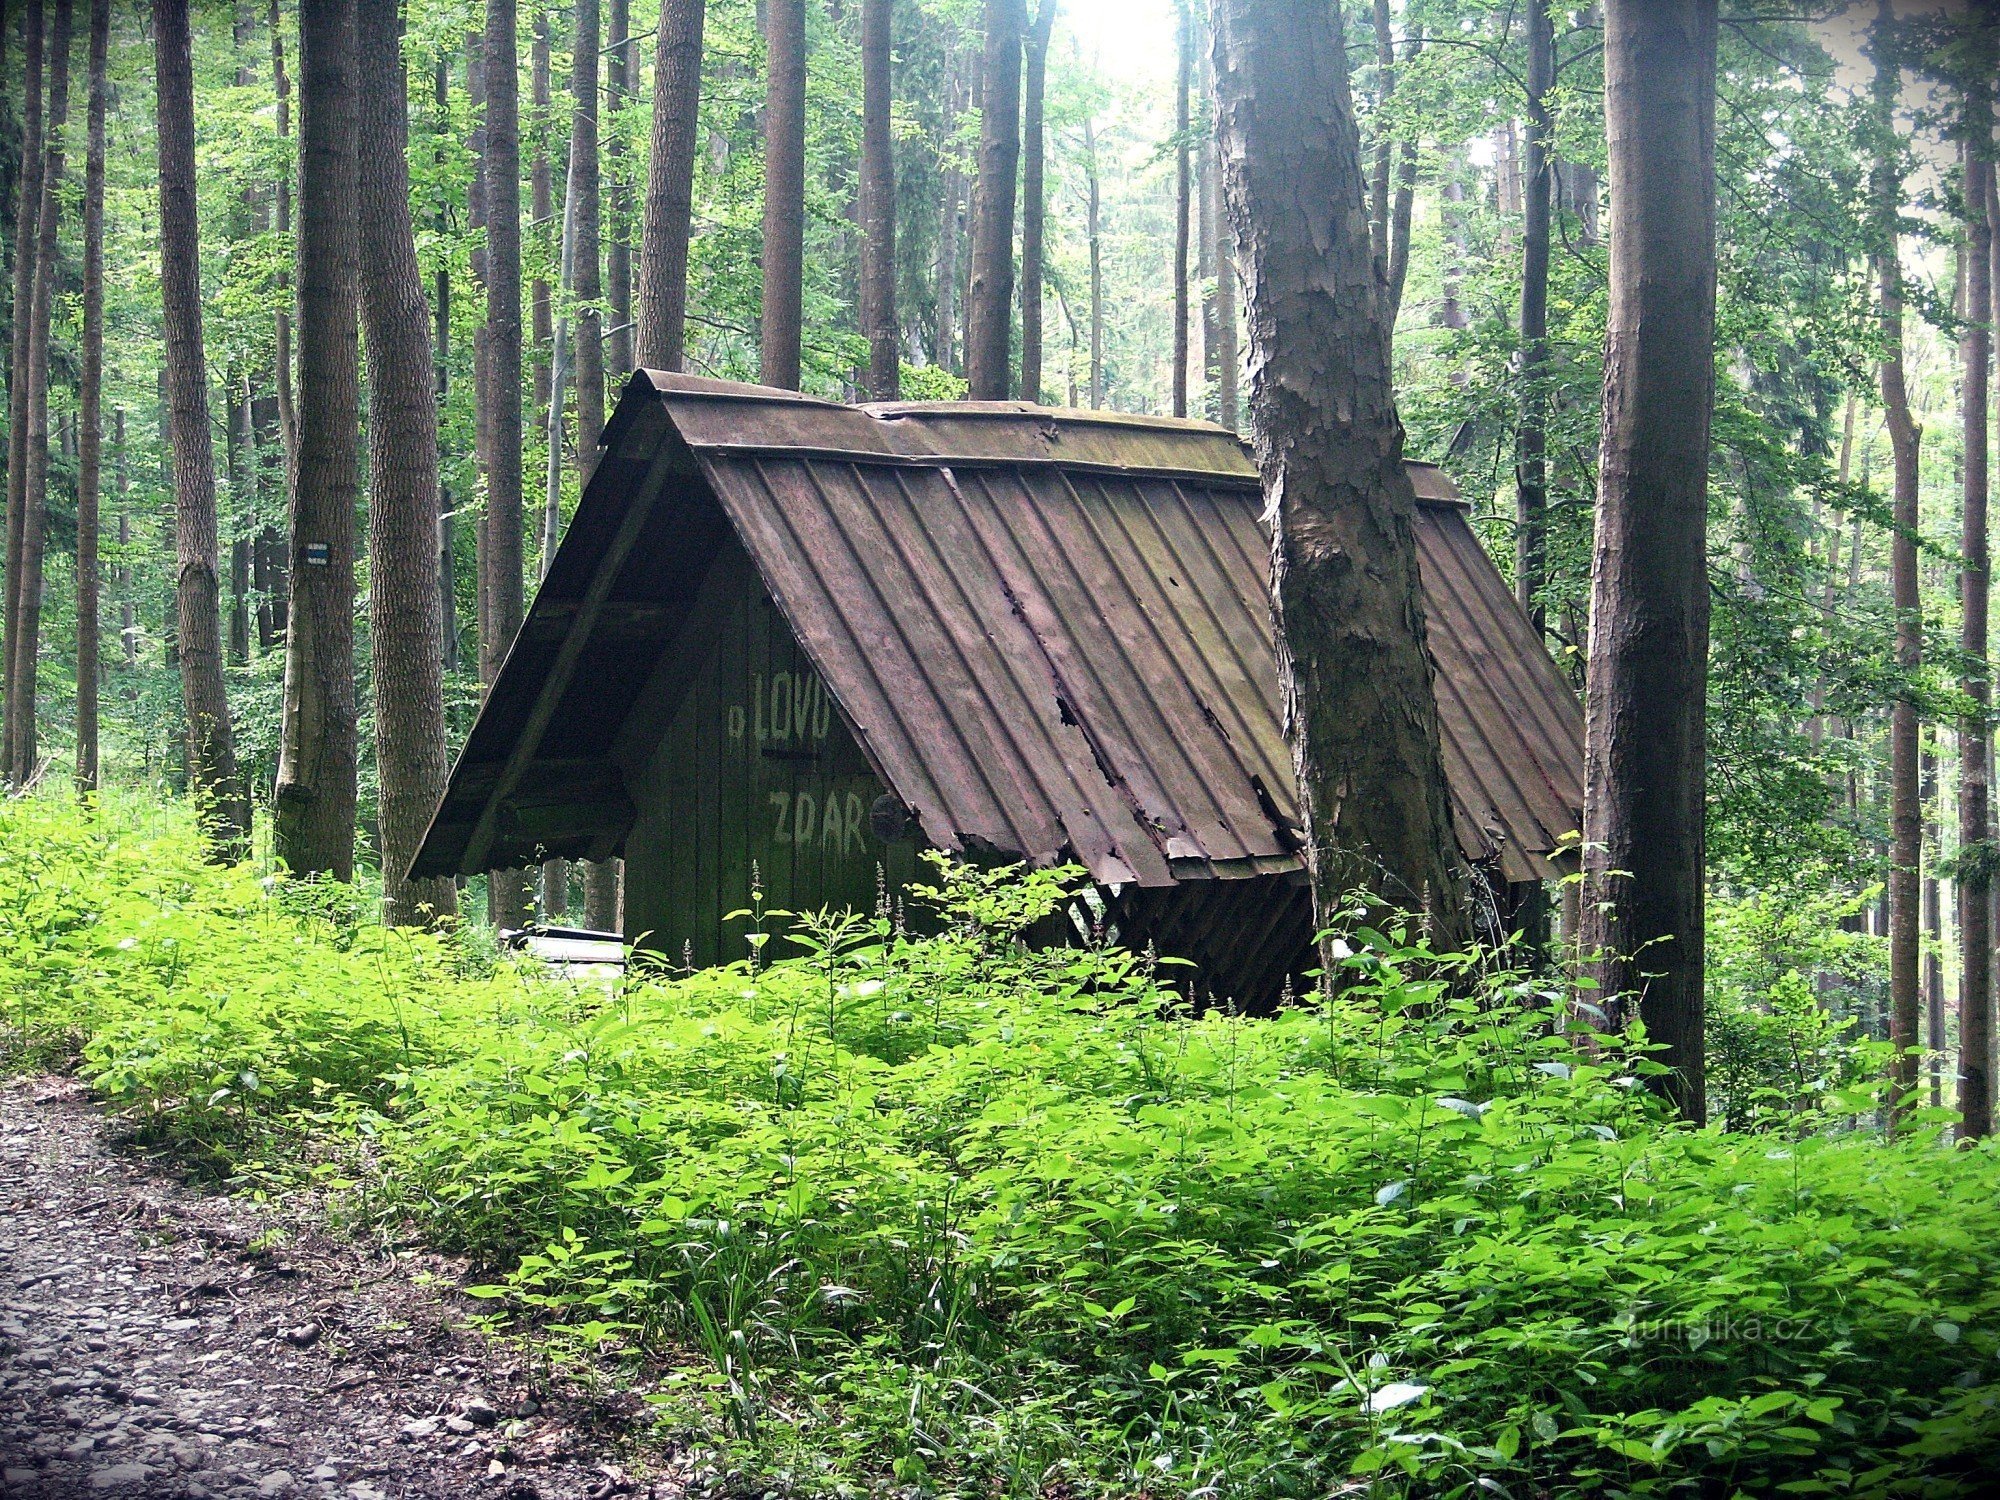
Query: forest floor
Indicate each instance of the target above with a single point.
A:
(161, 1341)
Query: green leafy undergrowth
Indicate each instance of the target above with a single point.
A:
(983, 1220)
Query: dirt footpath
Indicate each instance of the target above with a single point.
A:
(162, 1342)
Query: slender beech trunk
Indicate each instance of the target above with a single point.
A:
(1228, 350)
(780, 329)
(1356, 677)
(222, 806)
(27, 218)
(1905, 808)
(312, 816)
(1933, 904)
(128, 612)
(663, 243)
(90, 438)
(541, 209)
(447, 540)
(587, 286)
(878, 204)
(24, 642)
(1385, 143)
(1531, 467)
(1402, 208)
(1645, 725)
(503, 337)
(482, 385)
(507, 892)
(1034, 198)
(989, 321)
(288, 415)
(240, 463)
(402, 476)
(619, 85)
(1183, 204)
(945, 347)
(1975, 1100)
(1094, 228)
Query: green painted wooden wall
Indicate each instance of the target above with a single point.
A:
(755, 768)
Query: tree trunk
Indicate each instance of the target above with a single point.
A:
(780, 329)
(1094, 227)
(241, 466)
(663, 243)
(1645, 725)
(222, 806)
(1905, 809)
(878, 204)
(312, 816)
(1034, 199)
(1401, 208)
(1933, 903)
(541, 326)
(1385, 144)
(1228, 351)
(447, 539)
(619, 84)
(989, 321)
(128, 613)
(288, 416)
(27, 219)
(1975, 1100)
(1356, 677)
(1531, 469)
(90, 438)
(501, 192)
(402, 477)
(482, 385)
(1183, 203)
(945, 346)
(24, 642)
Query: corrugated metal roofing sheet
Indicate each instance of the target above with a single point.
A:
(1049, 631)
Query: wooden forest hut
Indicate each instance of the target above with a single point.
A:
(810, 637)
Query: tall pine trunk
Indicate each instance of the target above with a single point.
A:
(508, 892)
(945, 349)
(312, 816)
(222, 806)
(90, 437)
(780, 328)
(402, 477)
(878, 204)
(288, 415)
(27, 218)
(1905, 810)
(619, 85)
(1974, 801)
(669, 212)
(1645, 725)
(1355, 674)
(1531, 467)
(24, 641)
(541, 208)
(1183, 204)
(989, 320)
(447, 541)
(1034, 198)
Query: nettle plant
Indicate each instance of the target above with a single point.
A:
(921, 1201)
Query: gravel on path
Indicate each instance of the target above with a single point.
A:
(159, 1341)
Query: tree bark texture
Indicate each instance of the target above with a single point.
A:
(587, 284)
(1531, 465)
(502, 182)
(780, 328)
(402, 478)
(90, 435)
(1905, 808)
(1975, 791)
(1034, 197)
(447, 538)
(989, 320)
(1645, 723)
(1356, 676)
(27, 219)
(24, 641)
(669, 213)
(1183, 204)
(619, 85)
(1384, 143)
(222, 805)
(878, 204)
(288, 416)
(541, 208)
(312, 817)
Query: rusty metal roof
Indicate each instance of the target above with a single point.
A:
(1048, 630)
